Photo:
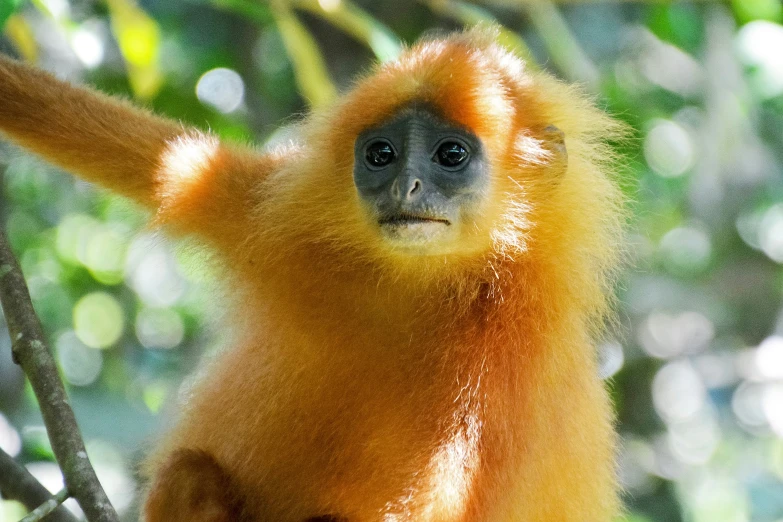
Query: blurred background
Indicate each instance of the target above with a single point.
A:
(696, 366)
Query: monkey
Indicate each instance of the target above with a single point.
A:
(417, 282)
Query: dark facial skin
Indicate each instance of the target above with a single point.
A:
(419, 173)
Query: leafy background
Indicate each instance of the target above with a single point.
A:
(696, 368)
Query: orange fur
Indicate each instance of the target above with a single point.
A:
(367, 383)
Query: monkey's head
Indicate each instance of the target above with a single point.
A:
(455, 151)
(450, 143)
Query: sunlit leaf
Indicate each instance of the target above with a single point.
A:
(138, 37)
(358, 23)
(21, 36)
(312, 77)
(748, 10)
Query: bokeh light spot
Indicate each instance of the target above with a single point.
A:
(746, 403)
(105, 253)
(695, 440)
(73, 236)
(748, 227)
(771, 233)
(81, 365)
(221, 88)
(668, 149)
(678, 392)
(772, 404)
(58, 8)
(664, 335)
(759, 44)
(329, 5)
(769, 358)
(152, 272)
(98, 320)
(686, 250)
(719, 499)
(87, 44)
(668, 66)
(610, 359)
(159, 328)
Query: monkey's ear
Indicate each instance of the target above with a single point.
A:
(554, 140)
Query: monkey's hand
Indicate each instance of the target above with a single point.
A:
(190, 179)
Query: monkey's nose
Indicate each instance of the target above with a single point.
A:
(406, 188)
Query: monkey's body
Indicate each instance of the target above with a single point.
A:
(353, 418)
(412, 368)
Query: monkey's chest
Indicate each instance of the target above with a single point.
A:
(341, 436)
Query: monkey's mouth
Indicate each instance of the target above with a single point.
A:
(404, 219)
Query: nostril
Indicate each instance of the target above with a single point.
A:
(415, 187)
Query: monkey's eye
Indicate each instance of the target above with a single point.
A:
(379, 154)
(451, 154)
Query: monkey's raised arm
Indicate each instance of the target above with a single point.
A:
(190, 179)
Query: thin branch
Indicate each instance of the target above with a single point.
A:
(471, 14)
(562, 46)
(16, 483)
(310, 72)
(31, 352)
(358, 23)
(47, 507)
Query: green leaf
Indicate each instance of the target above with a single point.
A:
(21, 36)
(138, 36)
(748, 10)
(312, 76)
(7, 8)
(253, 11)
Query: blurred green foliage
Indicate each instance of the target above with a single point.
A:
(697, 367)
(7, 8)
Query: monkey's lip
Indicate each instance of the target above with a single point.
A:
(404, 218)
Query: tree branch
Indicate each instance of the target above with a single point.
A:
(30, 351)
(561, 44)
(16, 483)
(47, 508)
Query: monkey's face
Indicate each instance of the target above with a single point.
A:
(422, 181)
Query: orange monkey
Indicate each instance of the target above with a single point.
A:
(418, 282)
